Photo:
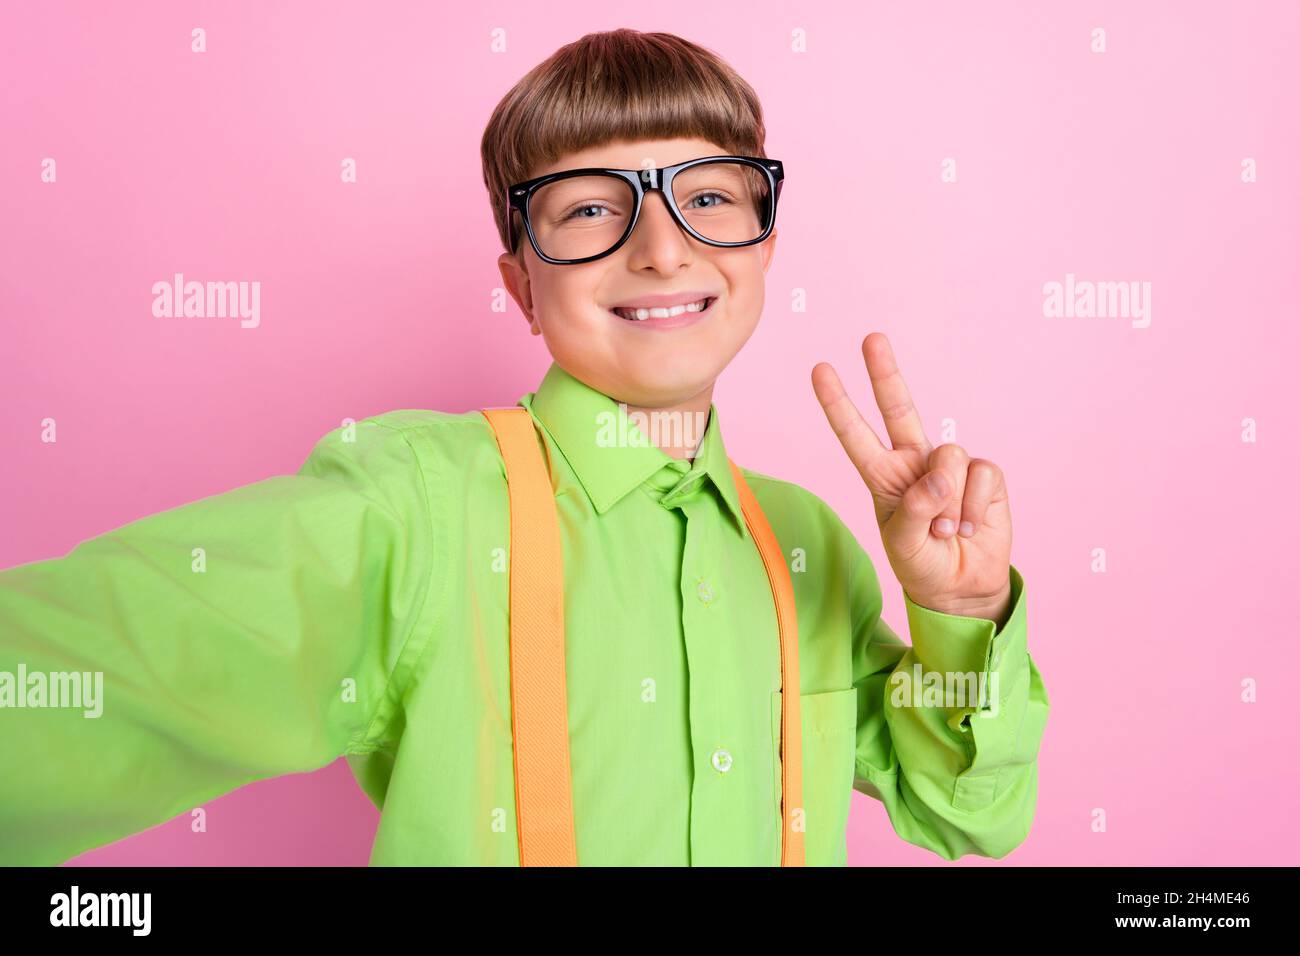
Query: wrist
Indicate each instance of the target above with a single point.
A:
(993, 608)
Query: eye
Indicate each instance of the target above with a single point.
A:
(579, 212)
(718, 199)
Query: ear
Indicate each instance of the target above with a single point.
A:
(517, 283)
(769, 249)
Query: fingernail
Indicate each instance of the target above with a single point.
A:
(943, 526)
(967, 529)
(938, 485)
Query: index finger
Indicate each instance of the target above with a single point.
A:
(902, 420)
(858, 438)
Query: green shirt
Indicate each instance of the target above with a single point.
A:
(360, 608)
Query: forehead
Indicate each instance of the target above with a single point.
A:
(634, 154)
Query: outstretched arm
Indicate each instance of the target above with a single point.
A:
(238, 637)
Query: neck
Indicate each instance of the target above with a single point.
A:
(676, 430)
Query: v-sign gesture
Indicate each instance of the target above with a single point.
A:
(944, 517)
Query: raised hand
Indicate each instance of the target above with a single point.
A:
(944, 517)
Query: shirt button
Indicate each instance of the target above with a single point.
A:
(721, 761)
(704, 592)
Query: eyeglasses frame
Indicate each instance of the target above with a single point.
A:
(649, 179)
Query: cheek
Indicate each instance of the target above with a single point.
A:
(745, 305)
(568, 309)
(567, 291)
(743, 272)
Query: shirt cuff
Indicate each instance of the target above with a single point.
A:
(955, 645)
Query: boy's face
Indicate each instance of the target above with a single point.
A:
(641, 363)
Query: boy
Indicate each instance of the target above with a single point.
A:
(362, 607)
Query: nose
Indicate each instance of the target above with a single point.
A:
(658, 241)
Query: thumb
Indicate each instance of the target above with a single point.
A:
(918, 507)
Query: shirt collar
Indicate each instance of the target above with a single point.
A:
(592, 432)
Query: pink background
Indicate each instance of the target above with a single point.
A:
(1116, 166)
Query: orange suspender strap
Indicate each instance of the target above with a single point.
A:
(538, 701)
(778, 575)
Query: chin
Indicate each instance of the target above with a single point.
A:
(662, 385)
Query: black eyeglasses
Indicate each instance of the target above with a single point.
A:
(741, 194)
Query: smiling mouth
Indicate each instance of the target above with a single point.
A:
(644, 315)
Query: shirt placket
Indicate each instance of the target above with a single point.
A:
(713, 738)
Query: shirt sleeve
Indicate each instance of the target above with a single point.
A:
(948, 729)
(263, 631)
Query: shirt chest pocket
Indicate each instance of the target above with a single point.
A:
(829, 722)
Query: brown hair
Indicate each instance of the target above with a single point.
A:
(616, 86)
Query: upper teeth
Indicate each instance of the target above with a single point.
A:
(642, 314)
